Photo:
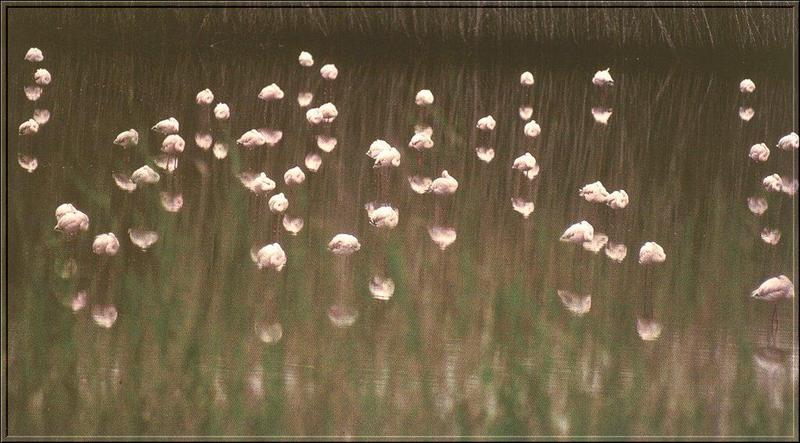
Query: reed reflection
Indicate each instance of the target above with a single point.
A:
(463, 306)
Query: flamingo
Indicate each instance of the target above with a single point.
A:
(747, 86)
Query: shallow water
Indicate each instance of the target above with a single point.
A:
(476, 339)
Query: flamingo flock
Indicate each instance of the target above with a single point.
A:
(382, 214)
(781, 287)
(33, 92)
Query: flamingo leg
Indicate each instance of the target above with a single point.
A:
(380, 184)
(127, 161)
(385, 179)
(774, 322)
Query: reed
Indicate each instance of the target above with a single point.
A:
(475, 340)
(684, 28)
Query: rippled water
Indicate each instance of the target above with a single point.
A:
(505, 331)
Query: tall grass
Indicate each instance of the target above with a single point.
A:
(475, 340)
(642, 29)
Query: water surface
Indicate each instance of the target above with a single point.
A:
(476, 339)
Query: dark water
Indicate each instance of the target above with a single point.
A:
(475, 339)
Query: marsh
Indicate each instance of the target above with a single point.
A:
(468, 316)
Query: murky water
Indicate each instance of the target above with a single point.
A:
(489, 326)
